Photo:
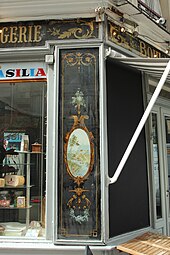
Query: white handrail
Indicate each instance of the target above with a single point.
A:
(140, 125)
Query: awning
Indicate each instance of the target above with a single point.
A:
(148, 243)
(159, 68)
(151, 66)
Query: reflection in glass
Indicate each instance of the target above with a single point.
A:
(167, 127)
(153, 6)
(156, 166)
(23, 112)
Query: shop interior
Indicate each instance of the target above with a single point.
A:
(22, 158)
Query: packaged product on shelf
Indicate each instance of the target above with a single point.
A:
(25, 143)
(2, 182)
(36, 147)
(21, 202)
(17, 193)
(14, 180)
(13, 228)
(4, 199)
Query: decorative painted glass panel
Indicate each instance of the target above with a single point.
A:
(78, 159)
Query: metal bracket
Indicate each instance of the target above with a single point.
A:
(100, 13)
(49, 59)
(108, 52)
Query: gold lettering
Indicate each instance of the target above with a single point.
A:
(22, 34)
(143, 48)
(149, 52)
(37, 33)
(156, 54)
(4, 35)
(13, 35)
(30, 33)
(133, 44)
(120, 39)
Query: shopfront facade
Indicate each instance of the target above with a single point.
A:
(38, 57)
(69, 109)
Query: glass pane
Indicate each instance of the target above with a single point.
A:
(156, 166)
(167, 127)
(152, 8)
(22, 162)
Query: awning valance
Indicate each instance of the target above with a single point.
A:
(152, 66)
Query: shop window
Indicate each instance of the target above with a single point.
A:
(22, 159)
(164, 92)
(151, 8)
(156, 166)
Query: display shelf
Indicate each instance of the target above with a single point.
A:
(16, 208)
(12, 164)
(29, 152)
(25, 165)
(17, 187)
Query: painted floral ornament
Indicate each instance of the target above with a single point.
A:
(79, 160)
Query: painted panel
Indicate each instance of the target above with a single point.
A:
(78, 159)
(132, 43)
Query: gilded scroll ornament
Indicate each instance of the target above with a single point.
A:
(84, 31)
(78, 58)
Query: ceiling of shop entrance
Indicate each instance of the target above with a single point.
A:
(20, 10)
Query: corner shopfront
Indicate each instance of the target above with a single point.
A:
(59, 89)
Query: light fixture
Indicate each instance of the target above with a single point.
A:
(100, 10)
(0, 30)
(168, 48)
(128, 22)
(122, 29)
(135, 34)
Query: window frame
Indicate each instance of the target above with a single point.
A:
(103, 141)
(33, 55)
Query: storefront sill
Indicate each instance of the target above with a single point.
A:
(47, 245)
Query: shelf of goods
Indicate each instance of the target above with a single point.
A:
(15, 188)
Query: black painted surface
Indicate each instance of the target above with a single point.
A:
(128, 197)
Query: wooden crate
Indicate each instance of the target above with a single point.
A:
(147, 244)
